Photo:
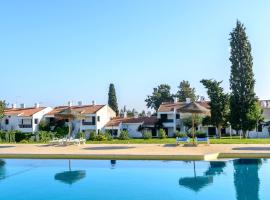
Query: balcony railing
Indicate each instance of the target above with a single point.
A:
(168, 121)
(88, 123)
(25, 125)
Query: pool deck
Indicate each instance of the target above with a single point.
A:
(136, 151)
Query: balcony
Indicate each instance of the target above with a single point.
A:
(167, 120)
(25, 126)
(84, 123)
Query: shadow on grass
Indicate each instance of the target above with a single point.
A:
(3, 147)
(252, 148)
(108, 148)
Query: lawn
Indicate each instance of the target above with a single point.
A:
(225, 140)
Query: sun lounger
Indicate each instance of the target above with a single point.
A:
(183, 140)
(203, 140)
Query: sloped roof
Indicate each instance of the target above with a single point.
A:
(85, 109)
(23, 112)
(169, 106)
(147, 121)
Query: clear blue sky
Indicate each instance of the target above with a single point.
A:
(52, 51)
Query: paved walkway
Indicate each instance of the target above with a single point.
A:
(135, 151)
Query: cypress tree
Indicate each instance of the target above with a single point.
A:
(242, 80)
(112, 99)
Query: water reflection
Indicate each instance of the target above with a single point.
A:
(216, 168)
(196, 183)
(246, 178)
(113, 164)
(2, 169)
(70, 177)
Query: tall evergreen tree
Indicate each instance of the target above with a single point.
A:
(185, 91)
(241, 81)
(161, 94)
(2, 109)
(219, 103)
(112, 99)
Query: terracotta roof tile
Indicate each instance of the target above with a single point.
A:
(169, 107)
(24, 112)
(86, 109)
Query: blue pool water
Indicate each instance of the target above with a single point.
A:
(134, 180)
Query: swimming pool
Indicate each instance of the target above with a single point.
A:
(133, 180)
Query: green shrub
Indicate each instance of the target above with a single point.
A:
(93, 136)
(10, 136)
(180, 135)
(81, 135)
(162, 134)
(19, 136)
(101, 137)
(108, 136)
(43, 126)
(147, 135)
(61, 131)
(124, 135)
(200, 134)
(45, 136)
(24, 141)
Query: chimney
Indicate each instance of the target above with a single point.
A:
(37, 105)
(69, 104)
(175, 99)
(149, 114)
(14, 105)
(125, 114)
(93, 103)
(79, 103)
(22, 105)
(188, 100)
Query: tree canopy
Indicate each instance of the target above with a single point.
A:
(112, 99)
(242, 82)
(160, 94)
(185, 91)
(2, 108)
(219, 103)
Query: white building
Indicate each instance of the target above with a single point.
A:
(170, 115)
(96, 117)
(134, 125)
(23, 119)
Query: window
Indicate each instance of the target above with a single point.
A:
(36, 121)
(94, 120)
(6, 121)
(164, 116)
(98, 118)
(177, 116)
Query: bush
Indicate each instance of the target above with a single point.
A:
(147, 135)
(43, 126)
(45, 136)
(10, 136)
(180, 135)
(61, 131)
(93, 136)
(101, 137)
(124, 135)
(24, 141)
(81, 135)
(199, 134)
(19, 136)
(108, 136)
(162, 134)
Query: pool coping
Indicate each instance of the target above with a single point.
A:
(206, 157)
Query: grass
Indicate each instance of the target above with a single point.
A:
(224, 140)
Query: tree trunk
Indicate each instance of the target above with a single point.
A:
(219, 131)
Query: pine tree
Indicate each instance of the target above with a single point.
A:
(185, 91)
(2, 108)
(242, 81)
(112, 100)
